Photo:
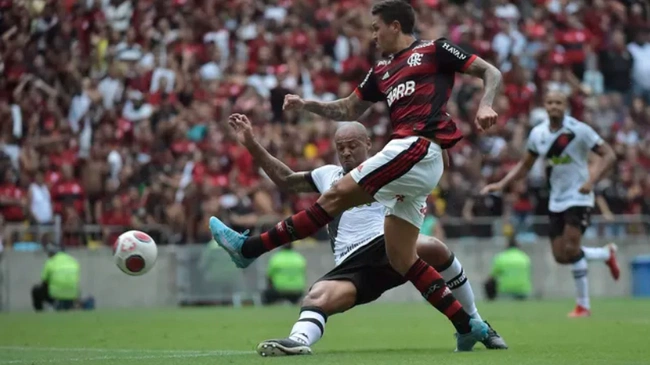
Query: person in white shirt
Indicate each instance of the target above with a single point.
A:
(640, 51)
(565, 144)
(362, 271)
(40, 201)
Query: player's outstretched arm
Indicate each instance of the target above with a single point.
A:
(491, 77)
(519, 171)
(285, 178)
(346, 109)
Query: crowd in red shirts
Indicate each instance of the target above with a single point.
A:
(112, 112)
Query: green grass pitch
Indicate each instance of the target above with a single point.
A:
(376, 334)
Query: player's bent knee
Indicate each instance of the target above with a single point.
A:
(401, 262)
(344, 194)
(433, 251)
(331, 200)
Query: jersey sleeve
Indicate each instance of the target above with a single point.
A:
(531, 146)
(368, 89)
(321, 178)
(450, 57)
(591, 137)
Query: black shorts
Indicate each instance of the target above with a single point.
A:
(574, 216)
(369, 271)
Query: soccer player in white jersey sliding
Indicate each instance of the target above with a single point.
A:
(565, 143)
(362, 272)
(415, 81)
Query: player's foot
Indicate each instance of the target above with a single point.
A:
(612, 262)
(579, 312)
(466, 341)
(231, 241)
(283, 347)
(494, 341)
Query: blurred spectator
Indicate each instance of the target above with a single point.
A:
(640, 51)
(13, 198)
(39, 201)
(615, 63)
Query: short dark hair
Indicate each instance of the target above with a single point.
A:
(396, 10)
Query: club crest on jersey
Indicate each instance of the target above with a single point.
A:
(415, 59)
(454, 51)
(400, 91)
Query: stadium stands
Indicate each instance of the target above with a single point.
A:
(112, 111)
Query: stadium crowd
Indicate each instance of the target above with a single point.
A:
(112, 112)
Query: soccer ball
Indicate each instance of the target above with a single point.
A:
(135, 253)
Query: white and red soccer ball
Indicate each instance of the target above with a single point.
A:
(135, 253)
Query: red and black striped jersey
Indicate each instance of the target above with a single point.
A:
(416, 84)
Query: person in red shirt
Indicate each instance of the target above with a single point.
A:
(69, 189)
(13, 198)
(52, 174)
(115, 219)
(520, 93)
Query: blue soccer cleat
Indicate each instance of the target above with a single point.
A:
(479, 332)
(231, 241)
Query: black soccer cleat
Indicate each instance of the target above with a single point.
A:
(494, 341)
(283, 347)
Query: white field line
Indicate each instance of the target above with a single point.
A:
(153, 354)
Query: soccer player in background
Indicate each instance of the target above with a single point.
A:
(415, 80)
(362, 272)
(565, 144)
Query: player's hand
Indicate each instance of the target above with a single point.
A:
(491, 188)
(242, 128)
(586, 188)
(293, 102)
(486, 117)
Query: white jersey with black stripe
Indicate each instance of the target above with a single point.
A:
(566, 152)
(354, 228)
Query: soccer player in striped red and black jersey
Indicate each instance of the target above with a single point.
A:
(416, 83)
(415, 80)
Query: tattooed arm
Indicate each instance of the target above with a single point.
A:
(285, 178)
(346, 109)
(278, 172)
(491, 77)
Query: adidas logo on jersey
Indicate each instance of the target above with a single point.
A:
(424, 44)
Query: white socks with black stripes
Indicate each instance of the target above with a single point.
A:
(579, 269)
(457, 281)
(310, 326)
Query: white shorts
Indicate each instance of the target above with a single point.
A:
(401, 176)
